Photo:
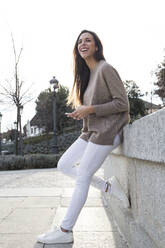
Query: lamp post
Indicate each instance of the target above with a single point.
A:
(20, 127)
(54, 82)
(0, 133)
(15, 141)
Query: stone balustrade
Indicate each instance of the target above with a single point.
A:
(139, 164)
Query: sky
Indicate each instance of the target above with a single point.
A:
(131, 31)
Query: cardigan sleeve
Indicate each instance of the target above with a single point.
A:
(119, 102)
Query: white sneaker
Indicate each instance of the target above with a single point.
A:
(56, 236)
(117, 191)
(47, 233)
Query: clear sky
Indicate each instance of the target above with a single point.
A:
(132, 33)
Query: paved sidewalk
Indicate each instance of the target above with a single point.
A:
(31, 201)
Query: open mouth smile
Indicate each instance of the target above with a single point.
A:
(83, 50)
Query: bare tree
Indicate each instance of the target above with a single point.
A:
(15, 95)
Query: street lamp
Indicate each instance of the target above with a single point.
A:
(21, 109)
(54, 82)
(20, 133)
(0, 134)
(15, 125)
(15, 134)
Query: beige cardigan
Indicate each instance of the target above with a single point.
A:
(106, 93)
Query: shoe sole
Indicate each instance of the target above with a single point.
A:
(55, 243)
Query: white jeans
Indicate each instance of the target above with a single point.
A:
(91, 157)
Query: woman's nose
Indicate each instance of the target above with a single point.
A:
(83, 42)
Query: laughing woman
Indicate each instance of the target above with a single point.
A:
(99, 98)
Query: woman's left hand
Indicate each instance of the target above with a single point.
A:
(81, 112)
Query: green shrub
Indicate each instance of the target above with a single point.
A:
(32, 161)
(11, 162)
(37, 139)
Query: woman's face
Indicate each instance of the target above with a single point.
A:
(86, 45)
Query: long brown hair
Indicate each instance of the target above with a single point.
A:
(81, 71)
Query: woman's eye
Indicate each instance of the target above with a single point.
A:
(87, 40)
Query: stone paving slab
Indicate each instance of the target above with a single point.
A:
(22, 192)
(4, 212)
(91, 202)
(11, 201)
(7, 205)
(97, 240)
(67, 192)
(28, 220)
(90, 219)
(9, 178)
(18, 241)
(40, 202)
(48, 178)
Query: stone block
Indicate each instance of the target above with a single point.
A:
(144, 138)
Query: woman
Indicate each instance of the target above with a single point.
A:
(99, 98)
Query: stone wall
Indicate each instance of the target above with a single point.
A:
(139, 164)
